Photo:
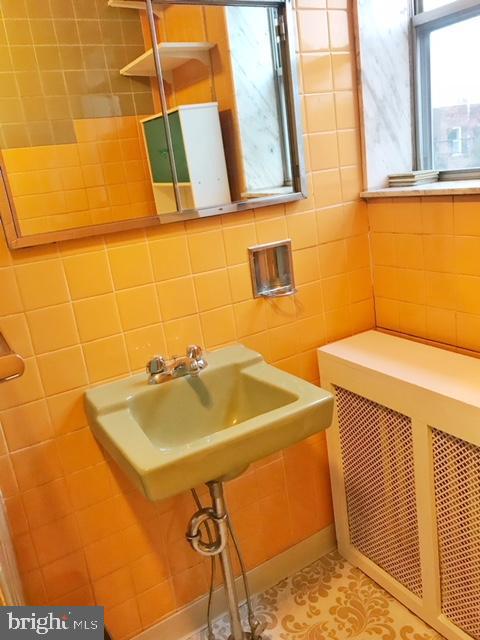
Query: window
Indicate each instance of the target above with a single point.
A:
(427, 5)
(448, 86)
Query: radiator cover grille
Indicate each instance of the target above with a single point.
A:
(457, 497)
(378, 467)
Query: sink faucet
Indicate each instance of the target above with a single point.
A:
(176, 366)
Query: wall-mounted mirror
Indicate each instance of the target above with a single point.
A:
(101, 130)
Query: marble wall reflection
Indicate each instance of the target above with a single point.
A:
(385, 83)
(254, 78)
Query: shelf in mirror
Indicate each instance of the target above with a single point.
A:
(172, 55)
(134, 4)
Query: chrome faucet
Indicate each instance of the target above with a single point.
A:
(176, 366)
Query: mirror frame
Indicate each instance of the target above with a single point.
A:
(8, 217)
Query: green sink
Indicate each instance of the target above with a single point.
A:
(173, 436)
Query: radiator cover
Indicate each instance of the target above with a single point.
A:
(377, 455)
(404, 452)
(457, 499)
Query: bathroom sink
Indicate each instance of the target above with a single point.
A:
(182, 432)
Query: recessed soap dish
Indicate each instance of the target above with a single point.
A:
(271, 268)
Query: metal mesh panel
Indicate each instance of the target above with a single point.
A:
(457, 496)
(380, 486)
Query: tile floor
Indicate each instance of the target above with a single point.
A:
(331, 600)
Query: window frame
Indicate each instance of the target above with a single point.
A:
(423, 24)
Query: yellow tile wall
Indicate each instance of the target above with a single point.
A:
(426, 268)
(87, 311)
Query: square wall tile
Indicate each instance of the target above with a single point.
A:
(142, 344)
(177, 298)
(88, 274)
(212, 289)
(218, 326)
(323, 151)
(170, 257)
(182, 332)
(42, 284)
(130, 265)
(345, 109)
(26, 425)
(342, 71)
(106, 358)
(97, 317)
(338, 28)
(36, 465)
(62, 370)
(317, 72)
(327, 188)
(52, 328)
(250, 317)
(320, 112)
(138, 307)
(206, 251)
(237, 239)
(25, 389)
(313, 30)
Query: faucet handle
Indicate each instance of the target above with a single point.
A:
(194, 351)
(156, 365)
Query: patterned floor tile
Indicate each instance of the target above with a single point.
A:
(330, 600)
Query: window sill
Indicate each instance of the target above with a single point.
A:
(443, 188)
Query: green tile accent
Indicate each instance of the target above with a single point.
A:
(35, 109)
(40, 133)
(60, 60)
(143, 103)
(15, 135)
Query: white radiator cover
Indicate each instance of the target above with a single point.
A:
(404, 452)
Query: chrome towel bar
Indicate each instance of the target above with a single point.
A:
(11, 364)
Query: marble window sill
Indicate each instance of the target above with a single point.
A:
(445, 188)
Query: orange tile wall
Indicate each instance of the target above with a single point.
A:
(103, 177)
(425, 254)
(86, 311)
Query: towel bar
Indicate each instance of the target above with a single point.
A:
(11, 364)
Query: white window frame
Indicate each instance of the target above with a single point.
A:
(423, 23)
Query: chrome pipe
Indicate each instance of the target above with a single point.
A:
(218, 504)
(212, 547)
(217, 545)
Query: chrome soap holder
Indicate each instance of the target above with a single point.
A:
(271, 268)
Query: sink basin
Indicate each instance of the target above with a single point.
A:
(178, 434)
